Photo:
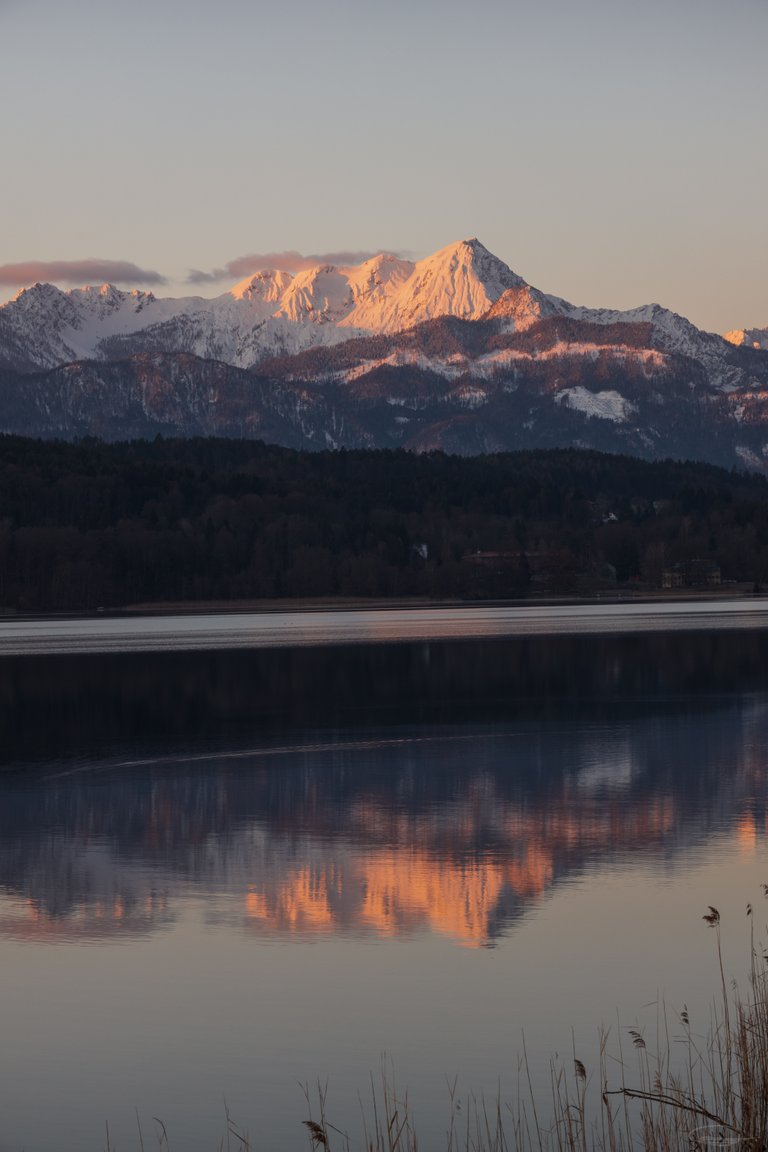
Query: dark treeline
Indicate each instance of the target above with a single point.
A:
(91, 524)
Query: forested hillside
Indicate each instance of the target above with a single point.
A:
(86, 525)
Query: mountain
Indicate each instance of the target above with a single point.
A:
(455, 351)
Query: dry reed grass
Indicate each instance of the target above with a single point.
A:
(684, 1093)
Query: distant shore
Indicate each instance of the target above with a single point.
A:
(361, 604)
(357, 603)
(292, 626)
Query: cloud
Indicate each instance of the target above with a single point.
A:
(244, 266)
(78, 272)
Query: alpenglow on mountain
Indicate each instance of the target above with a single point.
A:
(455, 351)
(277, 313)
(270, 313)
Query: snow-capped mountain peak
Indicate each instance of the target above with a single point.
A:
(463, 279)
(318, 295)
(275, 313)
(267, 286)
(40, 310)
(36, 295)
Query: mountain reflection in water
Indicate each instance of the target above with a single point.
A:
(410, 831)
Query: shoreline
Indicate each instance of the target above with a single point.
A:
(334, 604)
(375, 625)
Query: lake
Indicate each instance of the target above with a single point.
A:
(229, 868)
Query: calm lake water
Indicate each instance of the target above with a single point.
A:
(228, 871)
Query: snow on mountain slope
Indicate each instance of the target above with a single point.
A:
(373, 284)
(32, 326)
(318, 295)
(462, 280)
(609, 405)
(49, 327)
(522, 306)
(670, 333)
(504, 361)
(266, 287)
(748, 337)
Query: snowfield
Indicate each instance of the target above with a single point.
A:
(602, 405)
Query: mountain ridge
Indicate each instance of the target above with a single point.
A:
(275, 312)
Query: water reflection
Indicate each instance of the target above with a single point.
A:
(455, 830)
(222, 873)
(84, 706)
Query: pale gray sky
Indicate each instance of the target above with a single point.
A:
(611, 152)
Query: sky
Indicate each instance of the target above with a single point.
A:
(610, 152)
